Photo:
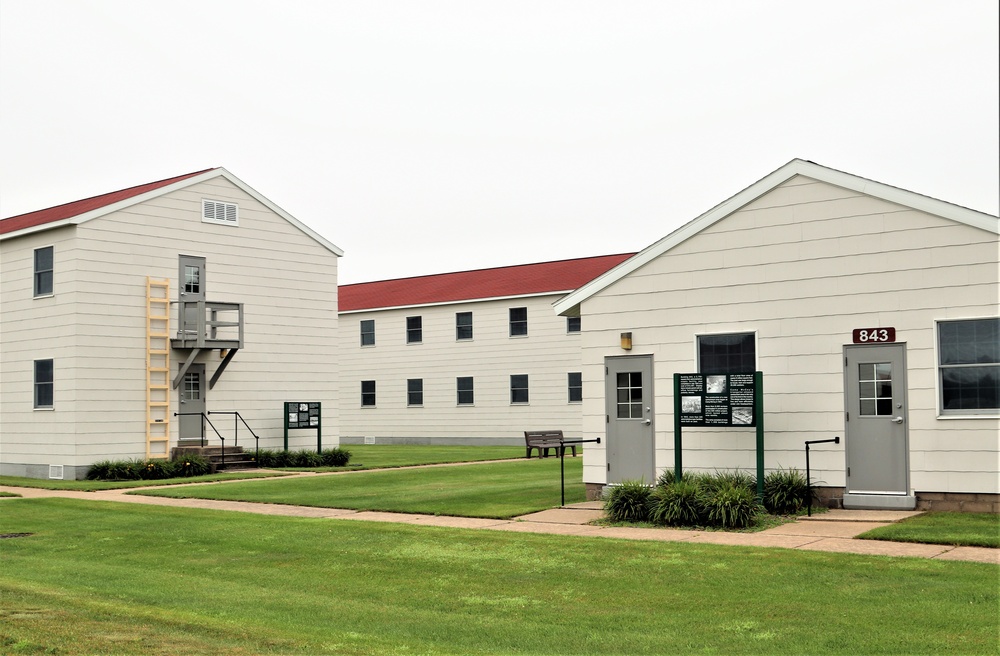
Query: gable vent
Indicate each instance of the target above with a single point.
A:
(215, 211)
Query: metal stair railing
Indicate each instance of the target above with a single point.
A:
(205, 418)
(237, 418)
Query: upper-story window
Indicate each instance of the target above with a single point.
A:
(414, 330)
(731, 353)
(217, 211)
(414, 391)
(463, 325)
(44, 266)
(969, 366)
(466, 390)
(44, 384)
(572, 324)
(367, 332)
(518, 321)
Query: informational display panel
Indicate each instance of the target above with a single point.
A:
(302, 415)
(717, 400)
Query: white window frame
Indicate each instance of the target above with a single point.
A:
(526, 388)
(511, 322)
(471, 327)
(210, 215)
(35, 271)
(373, 393)
(735, 331)
(409, 400)
(362, 333)
(35, 384)
(570, 386)
(472, 391)
(939, 388)
(415, 335)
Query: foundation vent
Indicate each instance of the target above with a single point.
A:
(369, 439)
(56, 472)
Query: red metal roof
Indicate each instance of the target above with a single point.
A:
(519, 280)
(76, 208)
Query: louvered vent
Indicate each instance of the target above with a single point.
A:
(56, 472)
(369, 439)
(215, 211)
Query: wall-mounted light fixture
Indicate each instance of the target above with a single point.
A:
(223, 353)
(626, 341)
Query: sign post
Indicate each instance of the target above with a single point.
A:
(304, 415)
(719, 400)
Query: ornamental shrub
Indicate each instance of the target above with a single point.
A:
(336, 457)
(732, 506)
(628, 502)
(678, 504)
(785, 491)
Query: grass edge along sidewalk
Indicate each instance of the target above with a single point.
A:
(90, 579)
(493, 490)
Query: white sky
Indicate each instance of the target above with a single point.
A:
(425, 137)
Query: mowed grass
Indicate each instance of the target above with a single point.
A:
(93, 486)
(378, 456)
(112, 578)
(960, 529)
(495, 490)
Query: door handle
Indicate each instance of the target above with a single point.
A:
(897, 420)
(648, 422)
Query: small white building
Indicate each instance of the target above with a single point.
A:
(125, 316)
(872, 312)
(471, 357)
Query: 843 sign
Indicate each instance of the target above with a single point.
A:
(873, 335)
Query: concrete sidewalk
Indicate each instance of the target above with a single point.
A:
(832, 531)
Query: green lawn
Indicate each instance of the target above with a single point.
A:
(368, 456)
(91, 486)
(960, 529)
(112, 578)
(500, 489)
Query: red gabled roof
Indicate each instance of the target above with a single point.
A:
(76, 208)
(519, 280)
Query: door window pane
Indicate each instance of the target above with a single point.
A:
(192, 279)
(629, 395)
(191, 390)
(875, 389)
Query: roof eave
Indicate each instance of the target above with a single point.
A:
(569, 304)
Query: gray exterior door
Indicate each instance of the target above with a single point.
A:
(629, 405)
(192, 399)
(876, 426)
(190, 287)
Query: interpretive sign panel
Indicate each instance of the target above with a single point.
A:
(302, 415)
(717, 400)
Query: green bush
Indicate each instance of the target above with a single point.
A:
(192, 464)
(737, 478)
(678, 504)
(732, 506)
(628, 502)
(148, 470)
(305, 459)
(785, 492)
(154, 470)
(335, 457)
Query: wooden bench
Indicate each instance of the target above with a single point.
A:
(545, 440)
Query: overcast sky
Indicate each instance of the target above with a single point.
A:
(425, 137)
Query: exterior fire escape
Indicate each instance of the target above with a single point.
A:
(207, 325)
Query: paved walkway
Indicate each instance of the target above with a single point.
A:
(832, 531)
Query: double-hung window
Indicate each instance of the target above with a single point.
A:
(414, 330)
(463, 325)
(518, 321)
(466, 392)
(572, 324)
(969, 366)
(367, 393)
(574, 386)
(44, 384)
(44, 266)
(367, 332)
(519, 388)
(731, 353)
(414, 391)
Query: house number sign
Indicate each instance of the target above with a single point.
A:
(873, 335)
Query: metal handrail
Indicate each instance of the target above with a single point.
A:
(809, 490)
(203, 442)
(562, 462)
(236, 429)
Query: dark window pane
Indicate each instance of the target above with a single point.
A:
(368, 332)
(367, 392)
(970, 388)
(463, 325)
(518, 321)
(726, 354)
(883, 407)
(43, 271)
(519, 388)
(415, 391)
(572, 324)
(414, 330)
(44, 376)
(575, 386)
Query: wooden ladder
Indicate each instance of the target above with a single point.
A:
(157, 368)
